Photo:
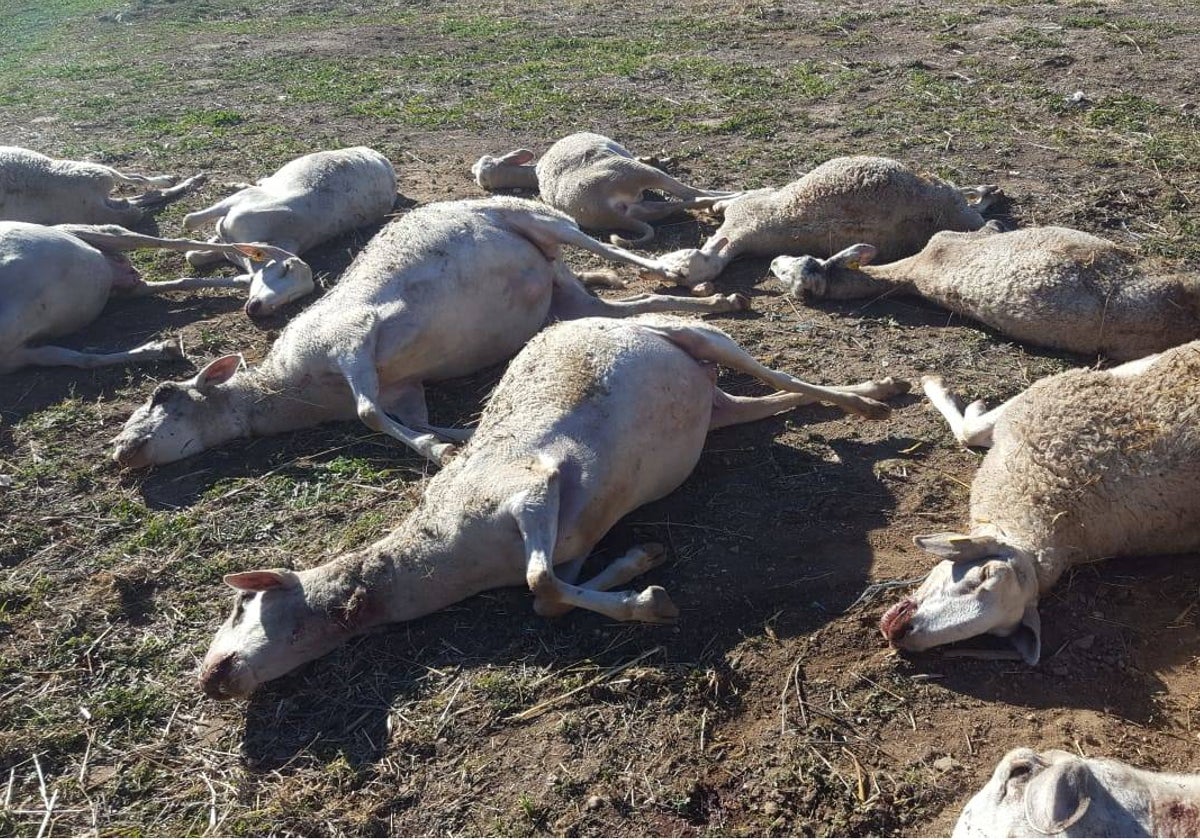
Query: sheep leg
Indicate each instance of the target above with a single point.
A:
(210, 214)
(632, 564)
(719, 207)
(114, 238)
(638, 214)
(548, 233)
(707, 344)
(357, 365)
(644, 234)
(153, 198)
(142, 288)
(407, 404)
(730, 410)
(47, 356)
(536, 513)
(656, 179)
(571, 300)
(970, 427)
(134, 180)
(655, 211)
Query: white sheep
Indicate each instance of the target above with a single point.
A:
(1049, 286)
(46, 191)
(308, 201)
(56, 280)
(841, 202)
(597, 182)
(440, 292)
(593, 419)
(1059, 794)
(1084, 465)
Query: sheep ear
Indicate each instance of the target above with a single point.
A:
(1058, 797)
(254, 252)
(853, 257)
(217, 371)
(960, 548)
(520, 157)
(1027, 638)
(262, 580)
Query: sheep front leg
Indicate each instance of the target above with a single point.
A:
(730, 410)
(632, 564)
(536, 513)
(970, 427)
(571, 300)
(357, 365)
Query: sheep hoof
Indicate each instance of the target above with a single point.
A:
(872, 409)
(890, 386)
(703, 289)
(654, 606)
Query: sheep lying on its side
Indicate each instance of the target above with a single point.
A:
(1084, 465)
(440, 292)
(1049, 286)
(308, 201)
(841, 202)
(45, 191)
(56, 280)
(1059, 794)
(594, 418)
(597, 182)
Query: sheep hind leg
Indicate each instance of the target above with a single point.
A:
(705, 343)
(48, 356)
(730, 410)
(154, 198)
(972, 426)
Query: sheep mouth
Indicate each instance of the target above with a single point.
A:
(896, 622)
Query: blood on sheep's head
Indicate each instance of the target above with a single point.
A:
(982, 586)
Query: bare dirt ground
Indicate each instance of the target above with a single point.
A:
(773, 706)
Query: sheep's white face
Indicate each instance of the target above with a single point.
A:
(801, 275)
(489, 173)
(272, 630)
(1035, 794)
(694, 266)
(812, 276)
(178, 420)
(276, 283)
(988, 589)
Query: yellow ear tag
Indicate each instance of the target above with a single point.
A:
(852, 265)
(256, 254)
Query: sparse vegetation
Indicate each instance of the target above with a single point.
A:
(767, 710)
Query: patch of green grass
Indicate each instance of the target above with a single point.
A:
(1125, 112)
(1033, 38)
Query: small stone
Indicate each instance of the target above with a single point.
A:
(945, 764)
(770, 808)
(1085, 642)
(594, 802)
